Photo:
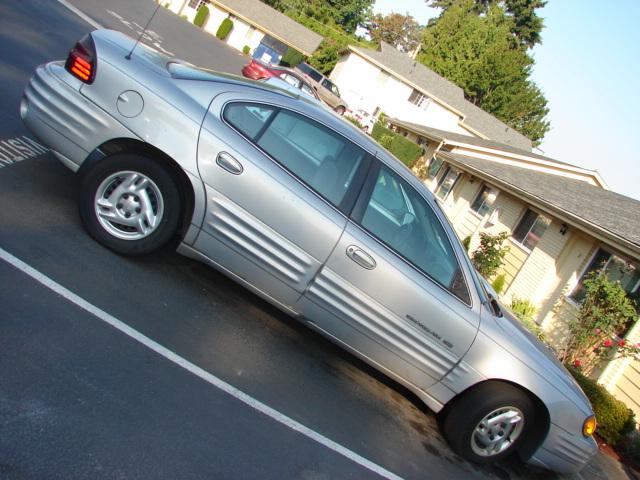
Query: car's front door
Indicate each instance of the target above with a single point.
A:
(393, 288)
(277, 183)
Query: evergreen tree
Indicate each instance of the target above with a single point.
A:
(480, 54)
(527, 25)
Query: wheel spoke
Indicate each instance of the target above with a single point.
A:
(106, 209)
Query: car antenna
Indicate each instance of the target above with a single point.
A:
(128, 56)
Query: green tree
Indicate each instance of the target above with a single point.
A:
(401, 31)
(527, 25)
(346, 14)
(480, 54)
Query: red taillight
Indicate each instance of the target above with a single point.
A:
(81, 62)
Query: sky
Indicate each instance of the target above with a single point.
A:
(588, 67)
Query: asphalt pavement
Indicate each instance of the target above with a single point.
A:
(81, 399)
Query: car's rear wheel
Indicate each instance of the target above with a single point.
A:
(489, 422)
(130, 204)
(339, 110)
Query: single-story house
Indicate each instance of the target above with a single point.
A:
(562, 220)
(403, 88)
(267, 32)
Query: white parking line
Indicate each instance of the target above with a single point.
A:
(81, 14)
(194, 369)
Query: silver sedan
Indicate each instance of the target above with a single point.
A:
(308, 212)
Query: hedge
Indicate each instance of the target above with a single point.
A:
(405, 150)
(224, 29)
(291, 58)
(615, 420)
(201, 16)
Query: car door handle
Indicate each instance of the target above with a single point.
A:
(228, 163)
(361, 257)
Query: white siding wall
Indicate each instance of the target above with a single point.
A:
(361, 84)
(240, 34)
(216, 15)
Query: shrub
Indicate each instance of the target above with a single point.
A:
(489, 255)
(405, 150)
(604, 313)
(525, 310)
(615, 420)
(246, 49)
(467, 242)
(498, 283)
(386, 140)
(629, 448)
(224, 29)
(291, 58)
(201, 16)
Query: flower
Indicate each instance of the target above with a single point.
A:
(577, 363)
(607, 343)
(622, 343)
(597, 331)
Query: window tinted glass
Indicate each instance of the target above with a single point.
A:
(399, 217)
(484, 201)
(530, 229)
(446, 184)
(316, 155)
(248, 118)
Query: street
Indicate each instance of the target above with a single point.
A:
(82, 399)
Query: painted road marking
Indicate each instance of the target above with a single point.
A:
(81, 14)
(13, 150)
(194, 369)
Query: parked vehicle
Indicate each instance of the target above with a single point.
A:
(314, 216)
(327, 90)
(257, 70)
(295, 88)
(260, 71)
(363, 117)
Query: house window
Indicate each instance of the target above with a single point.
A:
(435, 165)
(423, 142)
(446, 183)
(483, 202)
(419, 99)
(530, 229)
(196, 4)
(616, 269)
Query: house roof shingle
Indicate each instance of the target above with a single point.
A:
(607, 211)
(275, 23)
(469, 140)
(404, 66)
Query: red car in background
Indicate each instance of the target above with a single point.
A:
(258, 70)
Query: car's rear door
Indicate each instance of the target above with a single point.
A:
(393, 288)
(278, 184)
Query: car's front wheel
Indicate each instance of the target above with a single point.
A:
(489, 422)
(340, 110)
(129, 203)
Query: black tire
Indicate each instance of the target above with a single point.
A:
(131, 189)
(462, 429)
(340, 110)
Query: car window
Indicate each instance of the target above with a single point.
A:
(317, 76)
(290, 79)
(248, 118)
(403, 220)
(331, 87)
(318, 156)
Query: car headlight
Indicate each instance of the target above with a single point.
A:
(589, 426)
